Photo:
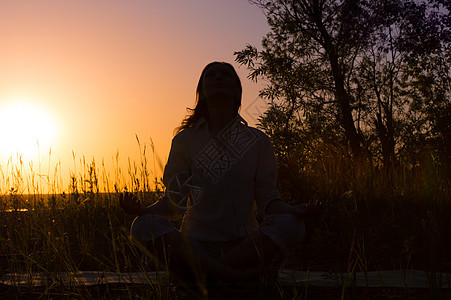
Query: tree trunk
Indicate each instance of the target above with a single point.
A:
(341, 95)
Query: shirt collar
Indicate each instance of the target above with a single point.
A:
(203, 122)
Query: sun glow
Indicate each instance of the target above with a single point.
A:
(25, 129)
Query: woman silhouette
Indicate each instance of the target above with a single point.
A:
(232, 167)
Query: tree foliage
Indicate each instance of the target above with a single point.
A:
(365, 79)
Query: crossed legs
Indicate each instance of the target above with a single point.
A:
(244, 261)
(249, 259)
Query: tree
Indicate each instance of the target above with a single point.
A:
(356, 65)
(310, 52)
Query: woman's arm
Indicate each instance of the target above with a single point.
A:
(177, 164)
(163, 207)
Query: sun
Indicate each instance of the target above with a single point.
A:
(26, 128)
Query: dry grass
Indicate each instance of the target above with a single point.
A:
(371, 222)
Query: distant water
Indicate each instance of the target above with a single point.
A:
(17, 203)
(17, 210)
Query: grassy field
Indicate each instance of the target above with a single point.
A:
(371, 222)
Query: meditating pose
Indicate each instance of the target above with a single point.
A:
(221, 178)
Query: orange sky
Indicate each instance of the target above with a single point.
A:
(103, 71)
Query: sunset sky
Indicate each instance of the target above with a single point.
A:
(86, 76)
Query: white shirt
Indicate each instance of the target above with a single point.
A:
(235, 172)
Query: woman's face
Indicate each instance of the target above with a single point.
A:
(219, 82)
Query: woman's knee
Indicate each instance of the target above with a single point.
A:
(148, 227)
(286, 230)
(295, 227)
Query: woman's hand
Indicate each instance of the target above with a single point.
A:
(299, 210)
(130, 205)
(307, 210)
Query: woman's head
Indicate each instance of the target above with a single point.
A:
(213, 72)
(201, 106)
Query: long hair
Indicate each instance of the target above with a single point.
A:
(201, 110)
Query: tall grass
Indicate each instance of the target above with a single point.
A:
(80, 227)
(379, 218)
(372, 221)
